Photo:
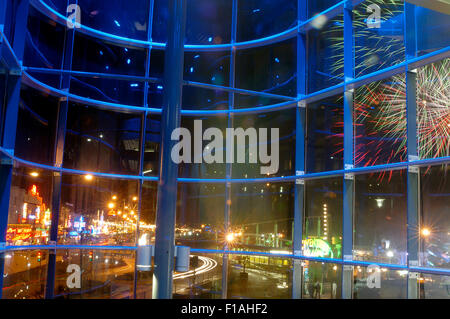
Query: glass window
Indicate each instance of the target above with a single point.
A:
(321, 280)
(317, 6)
(380, 122)
(152, 145)
(44, 43)
(208, 22)
(433, 23)
(105, 274)
(98, 211)
(207, 67)
(325, 135)
(200, 215)
(261, 18)
(380, 217)
(30, 211)
(374, 282)
(262, 215)
(434, 286)
(123, 18)
(261, 128)
(36, 126)
(259, 277)
(196, 98)
(322, 235)
(102, 141)
(378, 46)
(94, 55)
(270, 69)
(433, 109)
(325, 43)
(435, 224)
(202, 281)
(206, 162)
(25, 274)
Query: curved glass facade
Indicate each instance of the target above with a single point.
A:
(357, 207)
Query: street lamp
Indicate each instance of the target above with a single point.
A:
(426, 232)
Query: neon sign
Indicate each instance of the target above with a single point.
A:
(316, 247)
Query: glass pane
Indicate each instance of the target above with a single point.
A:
(152, 145)
(380, 122)
(378, 45)
(434, 26)
(250, 156)
(322, 236)
(207, 67)
(374, 282)
(322, 280)
(111, 91)
(208, 22)
(36, 126)
(102, 141)
(325, 53)
(433, 109)
(261, 216)
(195, 98)
(98, 211)
(94, 55)
(435, 224)
(94, 274)
(325, 135)
(200, 215)
(44, 43)
(202, 281)
(380, 217)
(122, 18)
(434, 286)
(206, 161)
(259, 277)
(317, 6)
(25, 274)
(261, 18)
(271, 69)
(30, 212)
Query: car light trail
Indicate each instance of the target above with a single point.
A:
(208, 265)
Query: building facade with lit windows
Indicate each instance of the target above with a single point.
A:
(91, 91)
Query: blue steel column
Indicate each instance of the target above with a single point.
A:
(10, 119)
(299, 205)
(227, 216)
(348, 199)
(58, 158)
(171, 117)
(413, 178)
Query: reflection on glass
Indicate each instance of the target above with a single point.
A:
(30, 213)
(259, 277)
(94, 274)
(97, 211)
(325, 135)
(102, 141)
(435, 224)
(374, 282)
(380, 217)
(261, 216)
(25, 274)
(322, 280)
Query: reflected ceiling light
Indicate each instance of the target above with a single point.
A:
(34, 174)
(88, 177)
(380, 202)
